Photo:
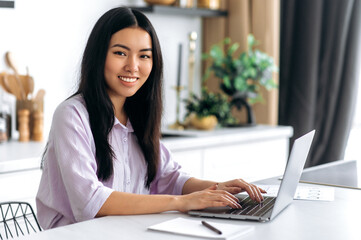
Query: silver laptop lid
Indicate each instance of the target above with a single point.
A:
(293, 172)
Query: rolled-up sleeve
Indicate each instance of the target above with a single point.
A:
(70, 190)
(77, 165)
(170, 178)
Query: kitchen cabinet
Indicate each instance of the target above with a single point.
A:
(251, 153)
(20, 171)
(20, 186)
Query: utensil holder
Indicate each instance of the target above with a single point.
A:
(35, 122)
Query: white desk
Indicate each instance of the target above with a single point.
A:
(302, 220)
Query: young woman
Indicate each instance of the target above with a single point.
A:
(104, 155)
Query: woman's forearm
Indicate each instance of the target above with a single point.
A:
(120, 203)
(194, 185)
(197, 194)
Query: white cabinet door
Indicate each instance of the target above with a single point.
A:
(191, 162)
(251, 161)
(20, 186)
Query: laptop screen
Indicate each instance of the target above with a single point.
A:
(293, 172)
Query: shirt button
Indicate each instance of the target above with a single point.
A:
(125, 140)
(128, 182)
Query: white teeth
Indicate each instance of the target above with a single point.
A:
(125, 79)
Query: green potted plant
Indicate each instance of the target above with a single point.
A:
(241, 76)
(206, 111)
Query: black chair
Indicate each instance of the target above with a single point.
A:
(16, 219)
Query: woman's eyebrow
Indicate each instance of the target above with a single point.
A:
(120, 45)
(125, 47)
(145, 49)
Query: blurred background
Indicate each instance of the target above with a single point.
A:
(315, 45)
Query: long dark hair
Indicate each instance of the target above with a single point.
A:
(144, 109)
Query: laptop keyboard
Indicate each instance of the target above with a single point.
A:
(253, 208)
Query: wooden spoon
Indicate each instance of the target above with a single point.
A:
(39, 95)
(12, 86)
(10, 62)
(24, 82)
(30, 83)
(38, 99)
(2, 83)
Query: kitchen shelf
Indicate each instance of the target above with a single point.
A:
(7, 4)
(171, 10)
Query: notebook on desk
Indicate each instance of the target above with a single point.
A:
(270, 207)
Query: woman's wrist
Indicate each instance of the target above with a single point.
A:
(194, 185)
(178, 203)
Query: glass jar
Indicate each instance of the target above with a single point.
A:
(5, 122)
(3, 135)
(5, 119)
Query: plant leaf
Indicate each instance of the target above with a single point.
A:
(227, 82)
(216, 52)
(232, 49)
(240, 84)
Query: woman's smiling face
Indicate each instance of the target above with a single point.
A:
(128, 62)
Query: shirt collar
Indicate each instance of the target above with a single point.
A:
(127, 127)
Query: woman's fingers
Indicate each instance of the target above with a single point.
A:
(209, 198)
(233, 190)
(220, 199)
(253, 191)
(239, 185)
(262, 190)
(234, 204)
(221, 195)
(213, 187)
(231, 199)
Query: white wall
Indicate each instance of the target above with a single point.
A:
(49, 38)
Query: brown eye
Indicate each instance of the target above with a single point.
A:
(119, 53)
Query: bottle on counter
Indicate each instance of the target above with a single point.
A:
(3, 134)
(24, 128)
(5, 120)
(38, 122)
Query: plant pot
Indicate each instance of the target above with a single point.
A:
(240, 100)
(211, 4)
(203, 123)
(160, 2)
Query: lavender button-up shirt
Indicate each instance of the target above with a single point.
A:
(69, 189)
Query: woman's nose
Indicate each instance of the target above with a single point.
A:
(132, 64)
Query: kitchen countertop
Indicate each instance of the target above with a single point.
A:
(18, 156)
(191, 139)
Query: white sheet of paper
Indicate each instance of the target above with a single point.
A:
(313, 193)
(190, 227)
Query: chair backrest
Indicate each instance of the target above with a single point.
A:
(16, 219)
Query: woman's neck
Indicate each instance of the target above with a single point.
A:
(119, 110)
(122, 117)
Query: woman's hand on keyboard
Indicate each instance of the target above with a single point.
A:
(210, 197)
(239, 185)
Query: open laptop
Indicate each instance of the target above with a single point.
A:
(270, 207)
